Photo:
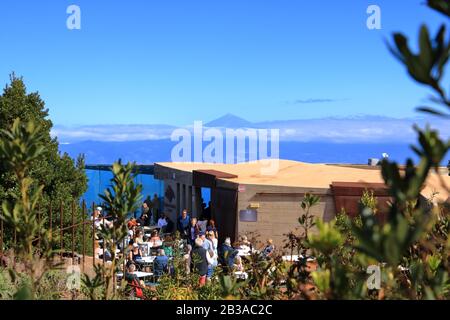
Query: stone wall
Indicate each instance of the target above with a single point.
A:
(279, 210)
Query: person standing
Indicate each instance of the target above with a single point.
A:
(183, 224)
(207, 212)
(144, 219)
(155, 209)
(212, 227)
(212, 250)
(187, 258)
(201, 259)
(168, 228)
(194, 231)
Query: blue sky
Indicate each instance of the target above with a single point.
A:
(176, 61)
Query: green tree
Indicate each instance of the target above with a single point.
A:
(64, 180)
(21, 145)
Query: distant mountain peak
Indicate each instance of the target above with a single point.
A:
(230, 121)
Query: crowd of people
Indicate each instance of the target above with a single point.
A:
(199, 244)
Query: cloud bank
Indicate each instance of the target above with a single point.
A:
(310, 100)
(345, 130)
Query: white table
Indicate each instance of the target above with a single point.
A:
(138, 274)
(156, 244)
(153, 244)
(296, 258)
(241, 275)
(245, 252)
(151, 227)
(141, 274)
(147, 259)
(290, 258)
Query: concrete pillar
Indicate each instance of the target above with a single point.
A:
(189, 199)
(197, 204)
(178, 200)
(183, 197)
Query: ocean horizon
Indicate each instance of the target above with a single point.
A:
(151, 151)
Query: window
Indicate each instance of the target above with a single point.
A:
(248, 215)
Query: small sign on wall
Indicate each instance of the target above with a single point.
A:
(241, 188)
(248, 215)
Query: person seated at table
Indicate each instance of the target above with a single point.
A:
(130, 273)
(162, 221)
(269, 249)
(135, 254)
(131, 224)
(227, 253)
(238, 265)
(99, 220)
(211, 226)
(155, 239)
(129, 247)
(168, 246)
(161, 263)
(100, 251)
(245, 245)
(169, 227)
(139, 236)
(146, 237)
(183, 224)
(134, 281)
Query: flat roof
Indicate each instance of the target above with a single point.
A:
(307, 175)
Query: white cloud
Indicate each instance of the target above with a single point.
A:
(111, 133)
(360, 129)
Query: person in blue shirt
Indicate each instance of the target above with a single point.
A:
(206, 243)
(184, 224)
(227, 254)
(269, 249)
(161, 263)
(194, 231)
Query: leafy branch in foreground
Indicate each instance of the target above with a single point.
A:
(121, 198)
(19, 147)
(427, 66)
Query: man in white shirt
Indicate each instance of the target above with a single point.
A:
(162, 221)
(99, 220)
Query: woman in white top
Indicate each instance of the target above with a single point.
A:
(238, 265)
(212, 238)
(245, 245)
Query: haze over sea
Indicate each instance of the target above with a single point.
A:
(327, 140)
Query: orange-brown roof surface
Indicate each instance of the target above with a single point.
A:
(309, 175)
